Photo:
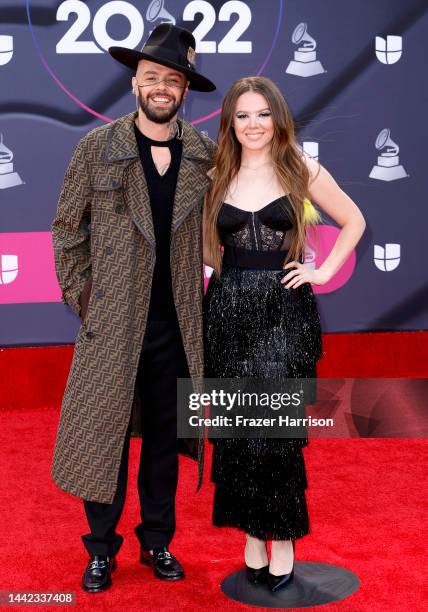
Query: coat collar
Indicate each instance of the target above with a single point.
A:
(192, 180)
(122, 145)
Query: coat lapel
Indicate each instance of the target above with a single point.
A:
(121, 143)
(122, 146)
(137, 199)
(192, 180)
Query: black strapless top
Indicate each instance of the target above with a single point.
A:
(262, 230)
(255, 239)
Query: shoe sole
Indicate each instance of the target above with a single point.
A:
(98, 589)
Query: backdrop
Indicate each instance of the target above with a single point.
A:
(352, 72)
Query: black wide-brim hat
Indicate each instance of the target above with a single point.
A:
(170, 46)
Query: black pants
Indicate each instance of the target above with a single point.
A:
(162, 361)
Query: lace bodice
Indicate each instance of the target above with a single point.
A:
(267, 229)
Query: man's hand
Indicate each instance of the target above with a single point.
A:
(84, 298)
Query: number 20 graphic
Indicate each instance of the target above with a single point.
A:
(230, 43)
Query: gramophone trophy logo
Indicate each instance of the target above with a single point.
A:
(388, 167)
(156, 12)
(8, 178)
(6, 49)
(305, 63)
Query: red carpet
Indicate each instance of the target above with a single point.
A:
(366, 501)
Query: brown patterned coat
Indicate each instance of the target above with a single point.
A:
(105, 248)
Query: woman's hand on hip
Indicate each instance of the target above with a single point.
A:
(302, 274)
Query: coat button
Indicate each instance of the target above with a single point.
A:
(89, 335)
(99, 293)
(109, 250)
(115, 184)
(119, 209)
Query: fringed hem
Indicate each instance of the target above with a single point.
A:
(262, 534)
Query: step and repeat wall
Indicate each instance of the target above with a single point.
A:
(353, 73)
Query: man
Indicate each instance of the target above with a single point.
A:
(128, 254)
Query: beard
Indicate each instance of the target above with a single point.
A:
(159, 115)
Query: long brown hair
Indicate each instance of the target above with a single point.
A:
(291, 170)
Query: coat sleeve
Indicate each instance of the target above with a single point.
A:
(71, 229)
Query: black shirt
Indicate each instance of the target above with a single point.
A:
(161, 191)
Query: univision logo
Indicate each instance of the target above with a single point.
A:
(6, 49)
(387, 258)
(390, 50)
(8, 269)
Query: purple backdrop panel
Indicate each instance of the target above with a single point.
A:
(352, 72)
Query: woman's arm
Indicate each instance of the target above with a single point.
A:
(327, 194)
(339, 206)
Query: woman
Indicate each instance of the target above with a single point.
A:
(260, 314)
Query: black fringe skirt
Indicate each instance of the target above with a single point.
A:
(255, 327)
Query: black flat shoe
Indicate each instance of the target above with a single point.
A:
(256, 576)
(165, 565)
(97, 575)
(275, 583)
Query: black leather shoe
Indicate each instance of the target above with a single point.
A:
(165, 565)
(97, 576)
(275, 583)
(256, 576)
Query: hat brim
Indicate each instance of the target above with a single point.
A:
(130, 58)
